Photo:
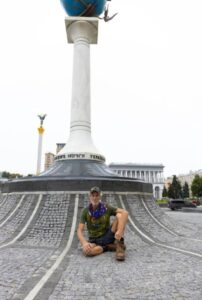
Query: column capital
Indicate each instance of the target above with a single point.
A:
(82, 27)
(41, 130)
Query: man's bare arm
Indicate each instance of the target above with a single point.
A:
(85, 244)
(80, 233)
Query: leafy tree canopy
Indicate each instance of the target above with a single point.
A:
(165, 192)
(175, 189)
(196, 186)
(185, 190)
(8, 175)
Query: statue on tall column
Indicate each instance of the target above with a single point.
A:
(41, 117)
(87, 8)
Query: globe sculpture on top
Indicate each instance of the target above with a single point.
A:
(87, 8)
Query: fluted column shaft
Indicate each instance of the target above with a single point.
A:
(81, 32)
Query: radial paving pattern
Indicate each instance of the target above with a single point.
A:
(40, 257)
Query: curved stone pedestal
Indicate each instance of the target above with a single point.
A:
(77, 175)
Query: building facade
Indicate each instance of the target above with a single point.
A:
(49, 159)
(49, 156)
(189, 177)
(152, 173)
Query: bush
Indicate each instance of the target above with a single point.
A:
(162, 201)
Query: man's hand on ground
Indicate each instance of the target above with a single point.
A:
(87, 247)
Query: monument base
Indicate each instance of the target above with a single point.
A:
(77, 175)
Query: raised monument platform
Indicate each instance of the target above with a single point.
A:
(79, 165)
(77, 175)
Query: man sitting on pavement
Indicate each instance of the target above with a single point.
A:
(102, 236)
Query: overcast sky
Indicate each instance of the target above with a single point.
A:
(146, 79)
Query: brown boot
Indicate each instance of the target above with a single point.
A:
(120, 251)
(112, 247)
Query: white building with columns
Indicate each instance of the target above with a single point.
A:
(152, 173)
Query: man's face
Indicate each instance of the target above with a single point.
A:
(94, 199)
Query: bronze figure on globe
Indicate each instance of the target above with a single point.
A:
(87, 8)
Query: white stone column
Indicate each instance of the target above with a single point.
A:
(81, 32)
(162, 178)
(39, 152)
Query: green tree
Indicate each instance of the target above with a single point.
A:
(15, 175)
(165, 192)
(175, 189)
(196, 186)
(5, 174)
(185, 190)
(170, 192)
(8, 175)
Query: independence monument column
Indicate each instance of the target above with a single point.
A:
(81, 31)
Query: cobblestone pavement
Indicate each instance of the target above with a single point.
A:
(46, 262)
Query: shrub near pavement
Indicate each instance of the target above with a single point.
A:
(162, 202)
